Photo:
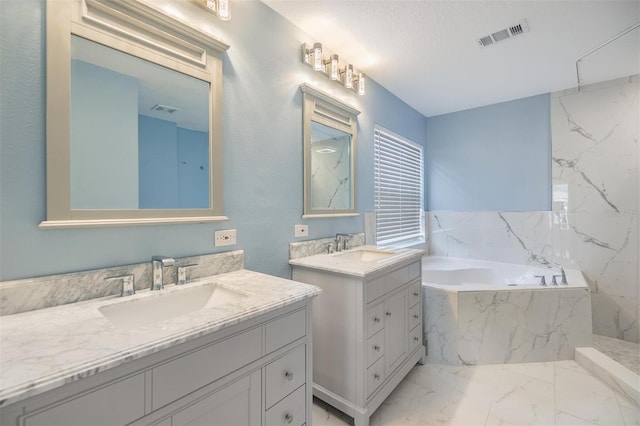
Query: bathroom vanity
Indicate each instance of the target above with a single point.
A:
(241, 356)
(367, 325)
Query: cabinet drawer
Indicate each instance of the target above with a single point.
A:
(284, 375)
(196, 369)
(375, 347)
(117, 403)
(415, 316)
(415, 293)
(375, 317)
(394, 279)
(289, 411)
(285, 330)
(375, 376)
(415, 338)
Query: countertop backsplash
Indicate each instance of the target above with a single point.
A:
(44, 292)
(313, 247)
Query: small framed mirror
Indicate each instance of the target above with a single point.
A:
(329, 134)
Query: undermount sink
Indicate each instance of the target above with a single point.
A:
(167, 304)
(365, 255)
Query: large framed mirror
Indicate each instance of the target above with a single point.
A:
(134, 129)
(329, 133)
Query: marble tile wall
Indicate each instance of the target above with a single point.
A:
(53, 290)
(594, 223)
(330, 173)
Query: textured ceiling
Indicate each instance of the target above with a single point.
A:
(425, 52)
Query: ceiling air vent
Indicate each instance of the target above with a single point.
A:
(164, 108)
(507, 33)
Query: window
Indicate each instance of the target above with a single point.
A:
(398, 172)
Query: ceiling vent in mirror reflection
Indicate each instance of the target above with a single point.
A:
(164, 108)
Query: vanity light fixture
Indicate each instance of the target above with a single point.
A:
(330, 67)
(220, 8)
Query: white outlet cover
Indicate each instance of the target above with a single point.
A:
(225, 237)
(301, 230)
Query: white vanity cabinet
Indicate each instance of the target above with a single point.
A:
(367, 334)
(252, 373)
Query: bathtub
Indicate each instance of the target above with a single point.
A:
(480, 312)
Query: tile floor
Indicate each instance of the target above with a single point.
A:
(547, 393)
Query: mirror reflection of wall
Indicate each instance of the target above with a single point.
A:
(330, 168)
(139, 133)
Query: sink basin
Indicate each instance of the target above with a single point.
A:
(365, 255)
(167, 304)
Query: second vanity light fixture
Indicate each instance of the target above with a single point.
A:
(219, 7)
(330, 66)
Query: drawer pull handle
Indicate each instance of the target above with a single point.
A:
(288, 418)
(376, 348)
(416, 294)
(416, 316)
(288, 375)
(376, 319)
(376, 376)
(388, 314)
(415, 339)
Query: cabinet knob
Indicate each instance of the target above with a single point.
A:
(376, 319)
(416, 339)
(288, 417)
(416, 294)
(376, 376)
(377, 348)
(388, 314)
(288, 375)
(416, 316)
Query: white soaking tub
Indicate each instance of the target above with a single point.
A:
(480, 312)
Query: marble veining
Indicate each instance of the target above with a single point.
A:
(319, 246)
(331, 173)
(46, 348)
(53, 290)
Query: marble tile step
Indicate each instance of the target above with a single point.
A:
(611, 372)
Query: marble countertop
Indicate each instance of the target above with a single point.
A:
(345, 262)
(46, 348)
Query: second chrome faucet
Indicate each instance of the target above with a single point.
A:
(157, 267)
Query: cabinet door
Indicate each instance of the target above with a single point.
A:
(236, 404)
(396, 331)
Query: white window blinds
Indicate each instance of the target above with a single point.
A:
(398, 188)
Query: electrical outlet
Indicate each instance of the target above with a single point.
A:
(225, 238)
(301, 230)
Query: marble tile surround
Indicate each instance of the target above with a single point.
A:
(560, 393)
(53, 290)
(594, 223)
(496, 327)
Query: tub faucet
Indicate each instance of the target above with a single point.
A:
(157, 265)
(562, 275)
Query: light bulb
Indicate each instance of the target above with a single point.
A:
(348, 76)
(361, 84)
(317, 57)
(334, 73)
(223, 10)
(211, 5)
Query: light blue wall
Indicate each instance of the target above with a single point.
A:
(193, 169)
(104, 132)
(262, 116)
(493, 158)
(158, 162)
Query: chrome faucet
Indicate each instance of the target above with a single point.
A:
(157, 265)
(344, 239)
(562, 275)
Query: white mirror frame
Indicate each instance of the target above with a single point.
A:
(142, 30)
(325, 109)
